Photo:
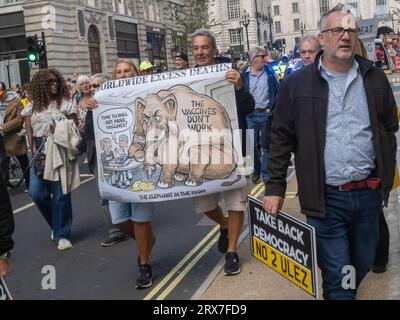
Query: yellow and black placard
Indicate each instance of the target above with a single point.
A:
(285, 244)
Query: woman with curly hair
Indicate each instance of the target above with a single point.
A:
(49, 102)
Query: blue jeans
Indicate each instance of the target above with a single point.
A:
(348, 235)
(258, 122)
(55, 206)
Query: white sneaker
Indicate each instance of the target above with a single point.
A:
(64, 244)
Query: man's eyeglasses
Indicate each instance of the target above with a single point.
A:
(260, 56)
(95, 85)
(339, 31)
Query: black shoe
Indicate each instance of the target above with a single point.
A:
(232, 265)
(377, 268)
(145, 277)
(255, 177)
(113, 238)
(223, 240)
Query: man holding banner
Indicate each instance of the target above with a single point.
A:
(204, 50)
(339, 118)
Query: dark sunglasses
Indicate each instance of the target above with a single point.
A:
(260, 56)
(50, 81)
(96, 85)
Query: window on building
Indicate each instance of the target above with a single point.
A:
(121, 7)
(276, 11)
(81, 23)
(11, 1)
(233, 9)
(130, 8)
(323, 6)
(295, 7)
(91, 3)
(177, 14)
(278, 28)
(127, 39)
(235, 36)
(354, 7)
(152, 10)
(111, 29)
(381, 8)
(146, 9)
(296, 24)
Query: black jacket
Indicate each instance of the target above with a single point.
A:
(6, 219)
(299, 126)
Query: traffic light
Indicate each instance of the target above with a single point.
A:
(284, 42)
(269, 45)
(32, 54)
(278, 44)
(36, 51)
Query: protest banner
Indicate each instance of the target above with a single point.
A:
(168, 136)
(367, 30)
(285, 244)
(4, 292)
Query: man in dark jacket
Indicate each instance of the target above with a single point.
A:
(6, 229)
(204, 49)
(12, 143)
(263, 86)
(338, 116)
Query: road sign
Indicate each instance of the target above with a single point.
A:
(285, 244)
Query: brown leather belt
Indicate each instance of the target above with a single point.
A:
(371, 183)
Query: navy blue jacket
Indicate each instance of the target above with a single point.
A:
(273, 84)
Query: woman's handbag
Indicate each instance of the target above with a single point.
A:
(39, 161)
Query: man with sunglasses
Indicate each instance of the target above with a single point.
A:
(263, 86)
(338, 116)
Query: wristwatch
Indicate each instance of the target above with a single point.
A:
(6, 255)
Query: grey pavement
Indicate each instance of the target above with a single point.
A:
(259, 282)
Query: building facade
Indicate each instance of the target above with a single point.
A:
(240, 25)
(88, 36)
(294, 18)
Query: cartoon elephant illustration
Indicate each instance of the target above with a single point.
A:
(188, 134)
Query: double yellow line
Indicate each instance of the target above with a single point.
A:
(192, 257)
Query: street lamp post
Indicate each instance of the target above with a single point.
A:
(258, 24)
(240, 40)
(246, 21)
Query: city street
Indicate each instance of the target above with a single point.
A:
(183, 257)
(89, 271)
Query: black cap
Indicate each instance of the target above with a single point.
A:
(182, 55)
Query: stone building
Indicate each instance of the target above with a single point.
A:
(294, 18)
(88, 36)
